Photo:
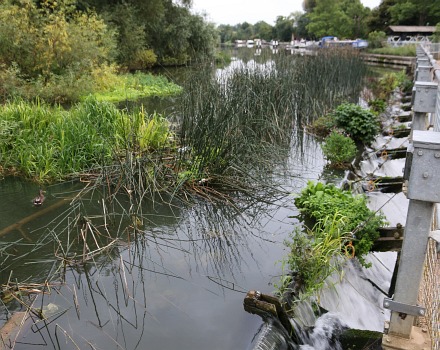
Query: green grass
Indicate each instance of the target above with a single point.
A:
(46, 143)
(406, 50)
(316, 254)
(134, 86)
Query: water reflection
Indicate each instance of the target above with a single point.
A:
(159, 286)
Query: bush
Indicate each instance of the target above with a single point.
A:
(360, 123)
(383, 87)
(339, 149)
(143, 59)
(377, 105)
(376, 39)
(318, 201)
(322, 125)
(49, 50)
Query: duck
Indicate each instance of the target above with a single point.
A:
(38, 200)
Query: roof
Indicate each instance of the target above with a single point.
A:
(413, 29)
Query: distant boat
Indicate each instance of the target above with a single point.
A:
(332, 41)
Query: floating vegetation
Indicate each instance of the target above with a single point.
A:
(134, 86)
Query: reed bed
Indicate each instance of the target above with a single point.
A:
(236, 126)
(48, 143)
(240, 124)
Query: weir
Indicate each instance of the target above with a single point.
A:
(399, 296)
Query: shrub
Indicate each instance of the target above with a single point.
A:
(377, 105)
(376, 39)
(322, 125)
(143, 59)
(339, 149)
(51, 48)
(383, 87)
(360, 123)
(319, 200)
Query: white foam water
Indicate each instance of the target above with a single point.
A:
(323, 335)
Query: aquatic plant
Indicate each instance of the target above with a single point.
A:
(315, 254)
(47, 143)
(240, 123)
(360, 123)
(338, 149)
(319, 200)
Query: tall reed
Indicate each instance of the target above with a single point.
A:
(238, 123)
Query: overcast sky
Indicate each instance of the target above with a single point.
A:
(252, 11)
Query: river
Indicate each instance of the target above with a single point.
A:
(179, 282)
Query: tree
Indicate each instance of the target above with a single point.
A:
(404, 12)
(415, 12)
(309, 5)
(341, 18)
(130, 30)
(380, 17)
(53, 38)
(246, 30)
(358, 15)
(283, 28)
(164, 26)
(263, 30)
(328, 18)
(300, 28)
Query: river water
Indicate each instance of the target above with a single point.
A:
(178, 283)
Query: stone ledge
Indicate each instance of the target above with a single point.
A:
(419, 340)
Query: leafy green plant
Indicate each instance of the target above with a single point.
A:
(319, 200)
(360, 123)
(384, 86)
(45, 143)
(377, 105)
(322, 125)
(317, 253)
(338, 149)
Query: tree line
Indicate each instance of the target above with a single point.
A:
(61, 49)
(341, 18)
